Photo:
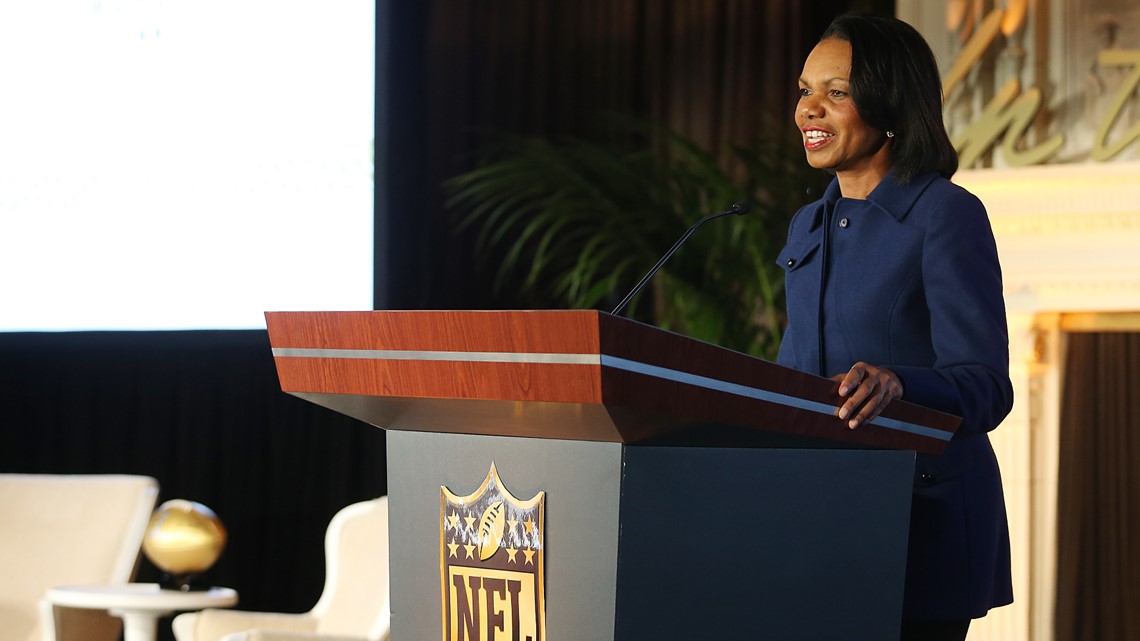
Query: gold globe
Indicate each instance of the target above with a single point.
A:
(184, 538)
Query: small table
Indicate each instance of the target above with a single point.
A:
(139, 605)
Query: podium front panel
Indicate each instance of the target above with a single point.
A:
(734, 543)
(670, 542)
(582, 484)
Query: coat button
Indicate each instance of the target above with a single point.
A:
(843, 222)
(926, 477)
(791, 262)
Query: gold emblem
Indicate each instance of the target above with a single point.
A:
(491, 564)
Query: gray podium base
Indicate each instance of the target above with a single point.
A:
(666, 543)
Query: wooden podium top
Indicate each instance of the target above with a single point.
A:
(578, 375)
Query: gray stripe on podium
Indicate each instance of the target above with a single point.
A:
(762, 395)
(417, 355)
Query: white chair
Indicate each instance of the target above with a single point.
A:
(67, 530)
(353, 606)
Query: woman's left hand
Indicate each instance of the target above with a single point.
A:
(868, 389)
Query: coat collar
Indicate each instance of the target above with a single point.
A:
(897, 200)
(893, 198)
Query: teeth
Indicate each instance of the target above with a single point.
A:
(816, 135)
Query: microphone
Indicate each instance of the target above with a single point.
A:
(738, 208)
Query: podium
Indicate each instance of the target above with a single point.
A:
(691, 492)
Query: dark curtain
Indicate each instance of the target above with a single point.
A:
(1098, 518)
(714, 70)
(721, 72)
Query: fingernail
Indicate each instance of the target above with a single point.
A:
(843, 391)
(853, 424)
(843, 412)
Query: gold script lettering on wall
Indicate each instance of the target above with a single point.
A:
(1010, 112)
(1004, 122)
(1102, 149)
(973, 50)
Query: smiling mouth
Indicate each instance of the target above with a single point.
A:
(816, 138)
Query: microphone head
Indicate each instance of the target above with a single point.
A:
(741, 207)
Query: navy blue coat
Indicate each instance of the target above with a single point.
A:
(909, 280)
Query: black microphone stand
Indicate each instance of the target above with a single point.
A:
(739, 208)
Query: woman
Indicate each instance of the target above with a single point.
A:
(894, 290)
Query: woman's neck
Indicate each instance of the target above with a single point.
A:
(860, 185)
(858, 182)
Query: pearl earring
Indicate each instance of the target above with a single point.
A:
(890, 134)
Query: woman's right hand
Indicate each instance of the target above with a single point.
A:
(868, 390)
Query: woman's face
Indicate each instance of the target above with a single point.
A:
(835, 136)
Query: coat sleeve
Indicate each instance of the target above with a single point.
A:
(963, 287)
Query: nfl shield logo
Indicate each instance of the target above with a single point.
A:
(491, 564)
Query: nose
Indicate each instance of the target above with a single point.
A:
(810, 106)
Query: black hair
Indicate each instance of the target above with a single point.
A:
(896, 87)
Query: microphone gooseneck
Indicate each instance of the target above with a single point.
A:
(738, 208)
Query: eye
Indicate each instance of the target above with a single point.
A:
(804, 91)
(838, 94)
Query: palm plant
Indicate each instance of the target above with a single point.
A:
(574, 223)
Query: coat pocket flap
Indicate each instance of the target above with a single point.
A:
(796, 255)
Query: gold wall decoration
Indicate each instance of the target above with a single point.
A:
(1044, 82)
(491, 564)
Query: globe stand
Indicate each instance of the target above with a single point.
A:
(188, 582)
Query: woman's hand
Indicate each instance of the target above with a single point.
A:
(868, 389)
